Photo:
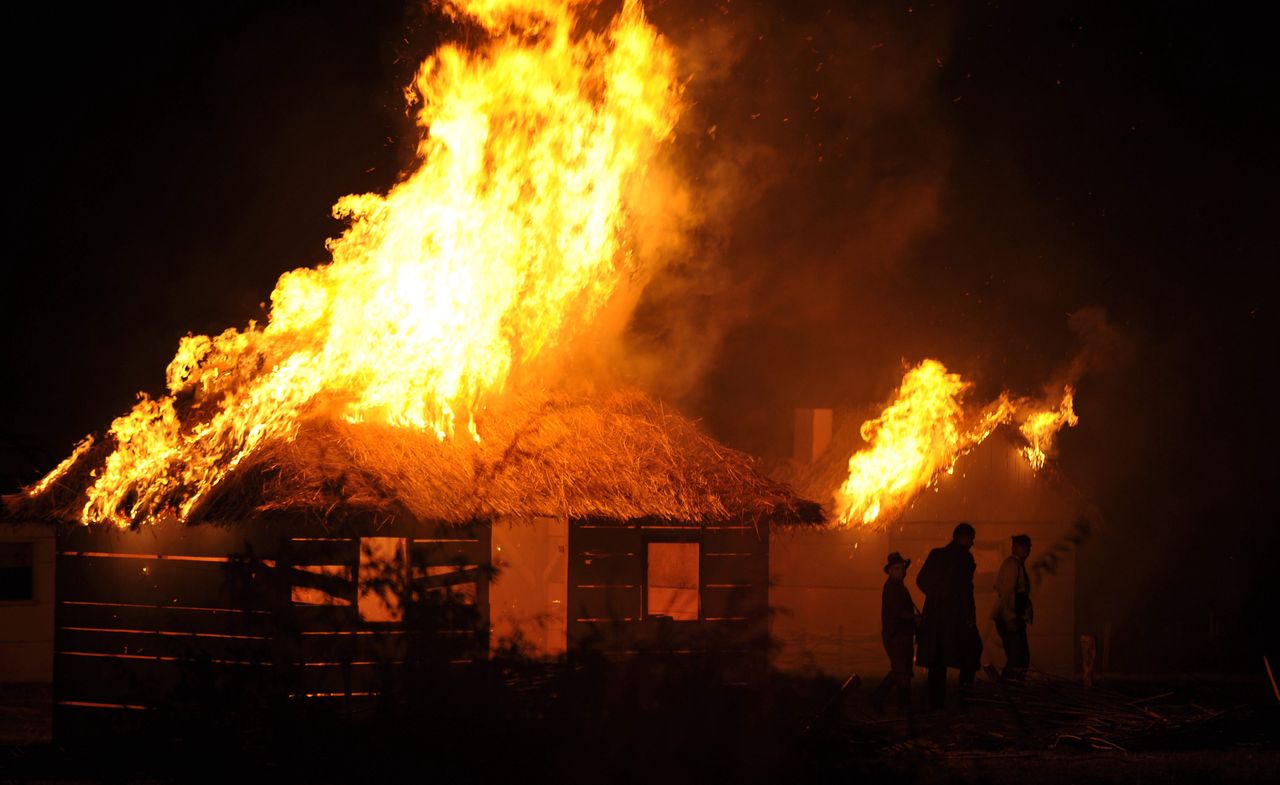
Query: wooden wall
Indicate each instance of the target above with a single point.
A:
(208, 617)
(173, 621)
(826, 586)
(607, 572)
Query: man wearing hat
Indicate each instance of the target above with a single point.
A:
(898, 618)
(1013, 611)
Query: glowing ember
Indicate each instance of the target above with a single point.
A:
(507, 238)
(924, 431)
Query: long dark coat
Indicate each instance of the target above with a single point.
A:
(949, 630)
(898, 626)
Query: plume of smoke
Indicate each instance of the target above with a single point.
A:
(1102, 345)
(812, 160)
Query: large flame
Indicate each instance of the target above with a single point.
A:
(506, 239)
(923, 432)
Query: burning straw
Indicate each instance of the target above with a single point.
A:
(621, 457)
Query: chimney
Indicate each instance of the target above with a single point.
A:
(813, 434)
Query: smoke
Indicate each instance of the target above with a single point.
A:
(813, 159)
(826, 233)
(1102, 346)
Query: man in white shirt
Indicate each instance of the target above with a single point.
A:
(1014, 612)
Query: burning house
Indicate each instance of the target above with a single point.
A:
(333, 561)
(395, 466)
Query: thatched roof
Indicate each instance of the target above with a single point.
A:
(621, 457)
(823, 477)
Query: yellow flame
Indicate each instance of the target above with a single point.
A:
(61, 469)
(506, 239)
(923, 432)
(1040, 427)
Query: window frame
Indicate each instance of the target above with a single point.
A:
(693, 537)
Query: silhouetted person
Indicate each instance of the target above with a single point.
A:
(949, 629)
(898, 619)
(1013, 612)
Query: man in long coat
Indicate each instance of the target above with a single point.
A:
(949, 630)
(898, 618)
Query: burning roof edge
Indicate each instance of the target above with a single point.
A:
(821, 478)
(621, 457)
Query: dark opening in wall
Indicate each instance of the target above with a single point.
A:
(17, 571)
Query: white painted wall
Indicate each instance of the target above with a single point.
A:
(26, 627)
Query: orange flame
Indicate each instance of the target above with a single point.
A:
(1040, 427)
(61, 469)
(506, 239)
(923, 432)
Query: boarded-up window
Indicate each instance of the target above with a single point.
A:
(382, 578)
(672, 583)
(17, 571)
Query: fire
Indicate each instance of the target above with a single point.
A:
(61, 469)
(1040, 428)
(510, 234)
(923, 432)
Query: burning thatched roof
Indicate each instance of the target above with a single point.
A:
(621, 457)
(821, 478)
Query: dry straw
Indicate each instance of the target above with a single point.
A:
(621, 457)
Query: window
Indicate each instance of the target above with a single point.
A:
(17, 571)
(310, 595)
(671, 586)
(382, 578)
(321, 573)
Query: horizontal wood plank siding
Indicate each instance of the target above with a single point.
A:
(168, 613)
(607, 584)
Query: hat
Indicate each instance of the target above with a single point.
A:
(896, 558)
(1022, 539)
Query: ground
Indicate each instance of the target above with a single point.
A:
(795, 729)
(1051, 730)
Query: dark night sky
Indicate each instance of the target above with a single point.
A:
(966, 177)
